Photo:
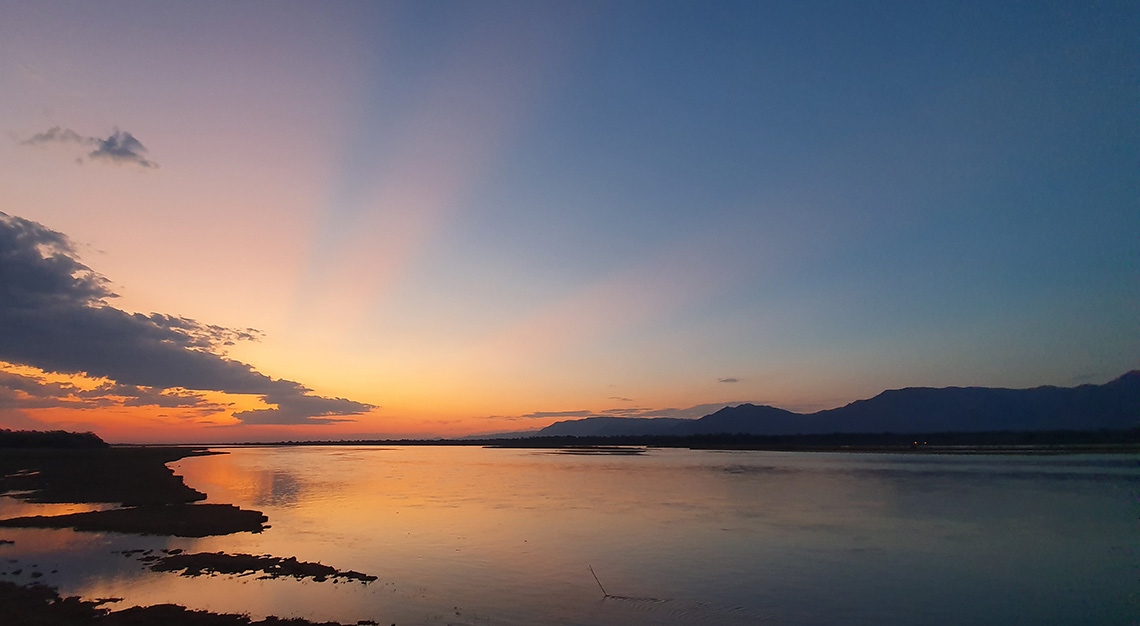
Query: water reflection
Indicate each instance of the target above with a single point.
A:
(469, 535)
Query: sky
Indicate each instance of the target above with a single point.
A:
(272, 220)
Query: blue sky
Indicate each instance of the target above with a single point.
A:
(461, 213)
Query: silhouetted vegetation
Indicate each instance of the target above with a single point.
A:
(175, 520)
(209, 563)
(37, 605)
(1099, 440)
(156, 500)
(128, 476)
(49, 439)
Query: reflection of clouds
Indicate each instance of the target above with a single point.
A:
(284, 489)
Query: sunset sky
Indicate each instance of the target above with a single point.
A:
(341, 219)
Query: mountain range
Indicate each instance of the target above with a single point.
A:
(1114, 405)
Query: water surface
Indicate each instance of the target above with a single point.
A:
(464, 535)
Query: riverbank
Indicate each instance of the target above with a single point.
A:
(150, 500)
(37, 605)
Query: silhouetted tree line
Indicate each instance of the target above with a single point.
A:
(49, 439)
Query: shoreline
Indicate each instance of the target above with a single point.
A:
(621, 443)
(1125, 441)
(150, 498)
(40, 605)
(153, 500)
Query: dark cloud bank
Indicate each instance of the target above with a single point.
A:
(119, 147)
(54, 316)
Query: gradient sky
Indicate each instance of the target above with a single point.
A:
(447, 218)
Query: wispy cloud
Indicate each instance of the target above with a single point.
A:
(692, 412)
(119, 147)
(728, 380)
(60, 135)
(54, 316)
(543, 414)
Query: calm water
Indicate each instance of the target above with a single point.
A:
(483, 536)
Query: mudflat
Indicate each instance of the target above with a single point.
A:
(210, 563)
(37, 605)
(129, 476)
(176, 520)
(154, 500)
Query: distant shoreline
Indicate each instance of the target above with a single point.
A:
(1000, 442)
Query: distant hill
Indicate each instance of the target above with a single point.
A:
(613, 427)
(746, 418)
(1114, 405)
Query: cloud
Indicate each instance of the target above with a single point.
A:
(54, 316)
(22, 391)
(728, 380)
(692, 412)
(120, 147)
(57, 134)
(542, 414)
(621, 399)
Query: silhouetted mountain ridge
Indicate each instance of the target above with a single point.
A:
(614, 426)
(1114, 405)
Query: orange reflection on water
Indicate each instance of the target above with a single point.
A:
(466, 535)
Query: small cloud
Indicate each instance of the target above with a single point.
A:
(119, 147)
(58, 134)
(621, 399)
(122, 147)
(692, 412)
(542, 414)
(728, 380)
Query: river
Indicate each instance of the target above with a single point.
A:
(467, 535)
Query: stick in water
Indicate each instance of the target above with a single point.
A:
(599, 582)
